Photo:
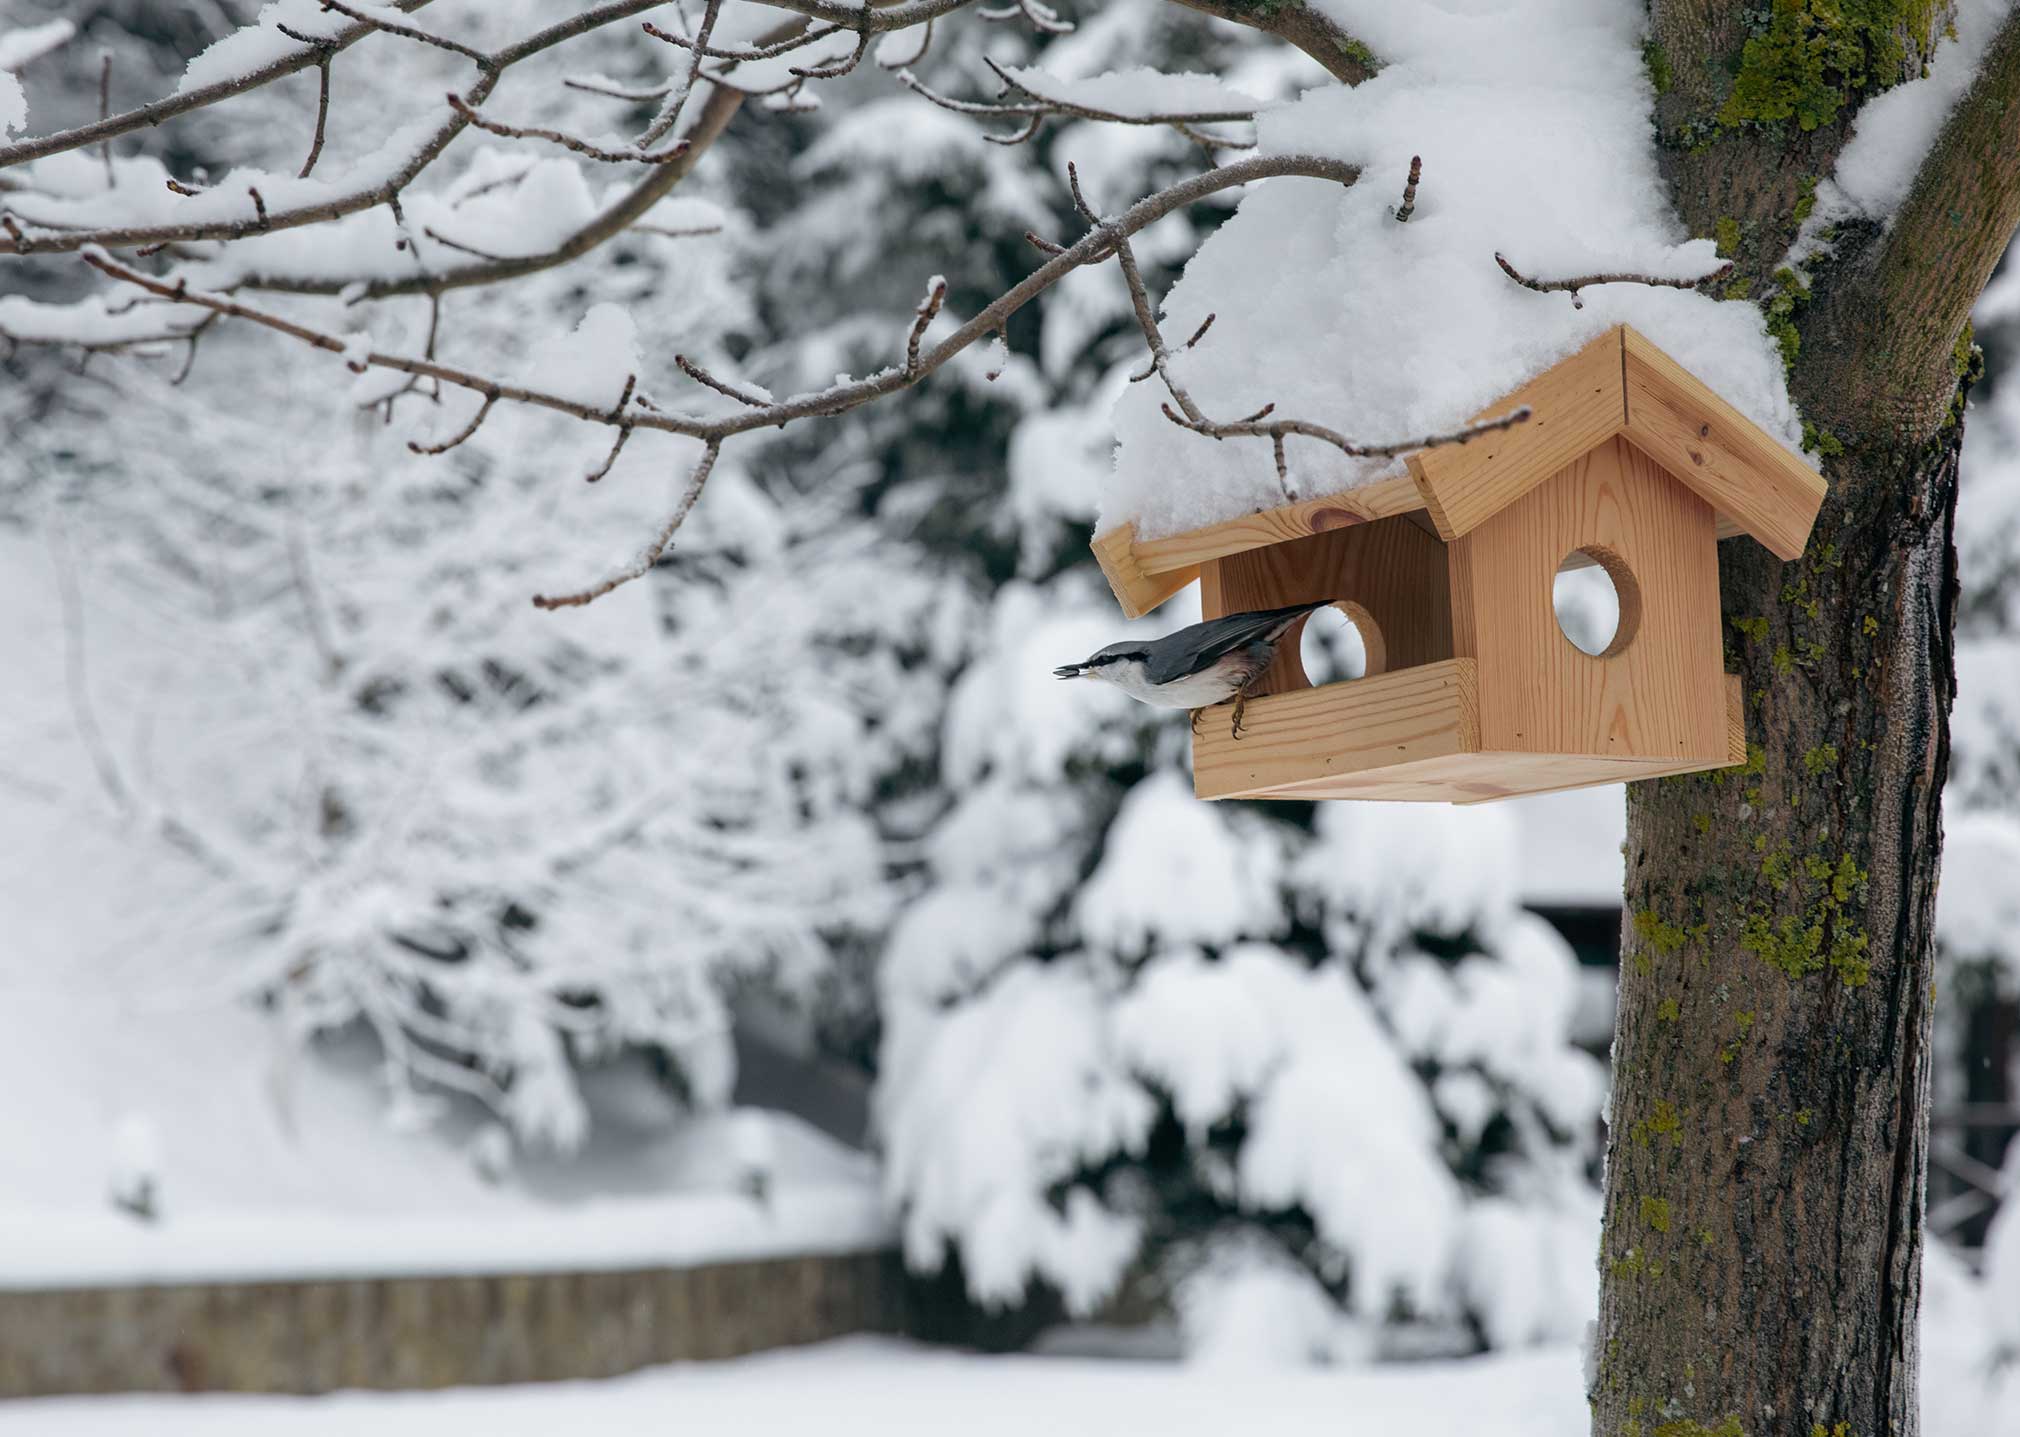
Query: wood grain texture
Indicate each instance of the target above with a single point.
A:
(1483, 777)
(1390, 567)
(1137, 591)
(1576, 405)
(1322, 515)
(1663, 696)
(1313, 734)
(1737, 468)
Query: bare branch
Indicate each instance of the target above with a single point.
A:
(383, 191)
(1409, 204)
(410, 32)
(1259, 426)
(322, 117)
(197, 99)
(483, 413)
(633, 155)
(720, 386)
(1096, 245)
(650, 555)
(1583, 281)
(1036, 107)
(105, 110)
(616, 448)
(714, 117)
(1197, 335)
(443, 240)
(1306, 26)
(763, 50)
(928, 310)
(840, 67)
(669, 113)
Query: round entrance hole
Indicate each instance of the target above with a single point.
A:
(1597, 601)
(1341, 642)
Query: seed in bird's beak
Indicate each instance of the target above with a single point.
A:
(1070, 671)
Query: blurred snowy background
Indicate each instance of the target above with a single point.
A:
(358, 919)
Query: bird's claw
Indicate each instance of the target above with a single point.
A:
(1195, 721)
(1240, 705)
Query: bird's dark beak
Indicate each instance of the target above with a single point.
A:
(1070, 671)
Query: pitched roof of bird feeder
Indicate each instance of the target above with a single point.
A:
(1620, 384)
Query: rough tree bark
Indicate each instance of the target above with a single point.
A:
(1761, 1264)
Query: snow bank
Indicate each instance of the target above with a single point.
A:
(1533, 126)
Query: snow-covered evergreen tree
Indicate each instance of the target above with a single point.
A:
(1313, 1065)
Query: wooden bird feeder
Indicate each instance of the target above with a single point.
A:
(1472, 691)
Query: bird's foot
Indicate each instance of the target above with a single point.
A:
(1240, 706)
(1195, 721)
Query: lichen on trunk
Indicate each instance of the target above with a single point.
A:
(1762, 1256)
(1761, 1259)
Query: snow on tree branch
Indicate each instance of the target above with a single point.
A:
(1104, 238)
(317, 51)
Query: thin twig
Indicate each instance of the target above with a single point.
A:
(617, 448)
(567, 142)
(483, 413)
(185, 101)
(1409, 204)
(836, 69)
(929, 308)
(720, 386)
(104, 110)
(1093, 247)
(1197, 336)
(1547, 286)
(479, 58)
(1259, 426)
(322, 118)
(1037, 106)
(447, 243)
(650, 555)
(669, 113)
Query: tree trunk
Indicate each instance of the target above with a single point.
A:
(1761, 1267)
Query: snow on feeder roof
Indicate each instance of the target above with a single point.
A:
(1628, 462)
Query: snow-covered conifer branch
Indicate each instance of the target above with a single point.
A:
(1585, 281)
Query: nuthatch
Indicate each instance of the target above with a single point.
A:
(1198, 666)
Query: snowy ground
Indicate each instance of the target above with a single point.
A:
(889, 1388)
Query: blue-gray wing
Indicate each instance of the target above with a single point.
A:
(1190, 650)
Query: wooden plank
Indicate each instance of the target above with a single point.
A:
(1361, 724)
(1660, 696)
(1592, 772)
(1272, 526)
(1575, 406)
(1482, 777)
(1137, 591)
(1390, 569)
(1737, 467)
